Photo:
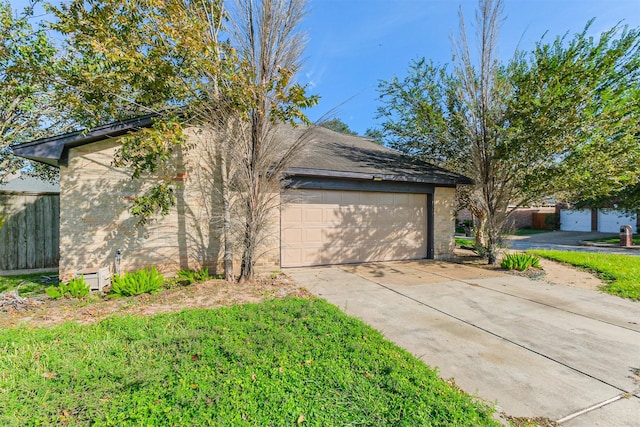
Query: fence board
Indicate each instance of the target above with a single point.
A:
(29, 237)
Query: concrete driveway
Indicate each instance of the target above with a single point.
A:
(532, 348)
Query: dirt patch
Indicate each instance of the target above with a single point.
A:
(210, 294)
(551, 272)
(43, 311)
(562, 274)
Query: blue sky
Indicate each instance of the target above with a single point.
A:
(353, 44)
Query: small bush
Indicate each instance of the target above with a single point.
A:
(76, 288)
(137, 283)
(552, 221)
(518, 261)
(189, 277)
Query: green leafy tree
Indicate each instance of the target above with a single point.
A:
(166, 57)
(27, 106)
(561, 120)
(338, 126)
(579, 100)
(375, 134)
(455, 119)
(133, 58)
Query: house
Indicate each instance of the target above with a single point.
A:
(28, 223)
(346, 200)
(601, 220)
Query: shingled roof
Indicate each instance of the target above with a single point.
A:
(326, 154)
(330, 154)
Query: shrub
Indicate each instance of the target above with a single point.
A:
(76, 288)
(552, 221)
(188, 277)
(136, 283)
(518, 261)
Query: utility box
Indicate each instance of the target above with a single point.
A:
(626, 235)
(97, 278)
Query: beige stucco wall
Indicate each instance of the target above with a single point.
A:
(95, 220)
(444, 222)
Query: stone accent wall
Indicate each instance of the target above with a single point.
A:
(95, 199)
(444, 222)
(95, 220)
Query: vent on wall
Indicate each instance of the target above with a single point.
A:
(96, 278)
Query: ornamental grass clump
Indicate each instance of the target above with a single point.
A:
(519, 261)
(137, 283)
(75, 288)
(189, 277)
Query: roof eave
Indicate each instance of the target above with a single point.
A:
(51, 150)
(323, 173)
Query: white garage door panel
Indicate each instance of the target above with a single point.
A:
(575, 220)
(333, 227)
(610, 221)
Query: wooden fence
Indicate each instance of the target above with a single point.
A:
(30, 232)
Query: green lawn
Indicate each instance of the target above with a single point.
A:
(621, 271)
(529, 232)
(25, 283)
(282, 362)
(616, 240)
(462, 241)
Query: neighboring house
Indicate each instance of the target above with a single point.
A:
(521, 217)
(346, 200)
(602, 220)
(29, 208)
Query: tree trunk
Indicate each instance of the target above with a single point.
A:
(481, 224)
(492, 253)
(226, 217)
(248, 248)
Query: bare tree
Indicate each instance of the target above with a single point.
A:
(270, 46)
(481, 96)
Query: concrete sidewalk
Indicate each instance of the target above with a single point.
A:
(532, 348)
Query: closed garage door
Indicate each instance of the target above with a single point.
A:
(334, 227)
(575, 220)
(610, 221)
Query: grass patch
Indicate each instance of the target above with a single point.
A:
(25, 283)
(529, 232)
(282, 362)
(465, 242)
(615, 240)
(621, 271)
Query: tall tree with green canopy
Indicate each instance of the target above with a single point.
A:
(126, 59)
(27, 105)
(579, 99)
(337, 125)
(197, 64)
(455, 119)
(559, 121)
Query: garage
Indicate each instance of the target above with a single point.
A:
(575, 220)
(610, 221)
(321, 227)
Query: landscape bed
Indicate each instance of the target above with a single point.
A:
(622, 272)
(281, 362)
